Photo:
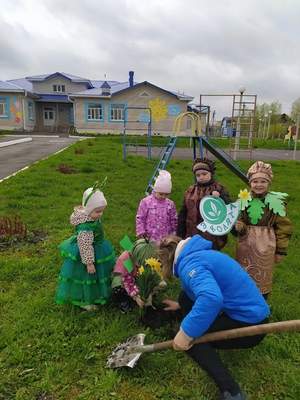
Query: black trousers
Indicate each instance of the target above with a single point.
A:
(205, 354)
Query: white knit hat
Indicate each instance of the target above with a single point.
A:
(163, 183)
(92, 199)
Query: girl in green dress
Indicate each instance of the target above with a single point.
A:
(85, 276)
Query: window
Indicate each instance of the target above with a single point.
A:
(3, 111)
(117, 112)
(59, 88)
(30, 111)
(48, 113)
(94, 112)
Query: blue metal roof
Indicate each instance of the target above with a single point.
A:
(73, 78)
(7, 86)
(98, 84)
(105, 85)
(95, 87)
(22, 83)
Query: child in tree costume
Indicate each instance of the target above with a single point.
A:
(263, 227)
(189, 216)
(85, 276)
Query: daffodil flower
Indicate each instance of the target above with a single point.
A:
(244, 197)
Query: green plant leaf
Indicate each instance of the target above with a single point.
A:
(275, 202)
(255, 210)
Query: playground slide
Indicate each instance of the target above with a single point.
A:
(224, 157)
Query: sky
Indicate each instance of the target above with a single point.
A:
(191, 46)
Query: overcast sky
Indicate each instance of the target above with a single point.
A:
(194, 46)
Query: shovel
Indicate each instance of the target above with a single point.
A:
(127, 354)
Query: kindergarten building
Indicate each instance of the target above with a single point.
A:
(60, 101)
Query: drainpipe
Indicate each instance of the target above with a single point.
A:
(23, 107)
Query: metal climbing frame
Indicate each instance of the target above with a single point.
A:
(149, 129)
(243, 119)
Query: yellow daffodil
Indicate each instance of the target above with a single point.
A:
(245, 198)
(154, 264)
(141, 270)
(244, 195)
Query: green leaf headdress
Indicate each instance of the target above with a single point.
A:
(96, 186)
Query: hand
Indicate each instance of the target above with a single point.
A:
(182, 342)
(216, 193)
(171, 305)
(139, 301)
(91, 268)
(240, 226)
(278, 258)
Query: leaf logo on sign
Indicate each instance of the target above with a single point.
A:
(218, 217)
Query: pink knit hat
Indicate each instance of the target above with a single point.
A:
(163, 183)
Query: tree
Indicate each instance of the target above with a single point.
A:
(267, 117)
(264, 108)
(295, 109)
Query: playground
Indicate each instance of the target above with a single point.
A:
(54, 353)
(239, 145)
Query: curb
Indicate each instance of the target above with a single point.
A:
(16, 141)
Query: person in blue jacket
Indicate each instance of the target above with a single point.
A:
(217, 294)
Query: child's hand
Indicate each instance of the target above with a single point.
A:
(139, 301)
(181, 341)
(240, 226)
(91, 268)
(171, 305)
(215, 193)
(278, 258)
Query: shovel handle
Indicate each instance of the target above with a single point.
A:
(274, 327)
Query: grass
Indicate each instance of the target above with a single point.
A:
(223, 142)
(50, 352)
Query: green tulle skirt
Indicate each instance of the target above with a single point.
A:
(75, 285)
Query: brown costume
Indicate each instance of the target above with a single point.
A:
(189, 216)
(258, 244)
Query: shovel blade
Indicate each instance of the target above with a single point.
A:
(121, 355)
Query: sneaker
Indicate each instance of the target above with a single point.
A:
(228, 396)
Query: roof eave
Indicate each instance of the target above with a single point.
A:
(89, 95)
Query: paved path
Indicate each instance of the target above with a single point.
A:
(257, 154)
(15, 157)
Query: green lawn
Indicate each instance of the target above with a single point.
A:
(224, 142)
(50, 352)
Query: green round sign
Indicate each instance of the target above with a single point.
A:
(218, 217)
(213, 210)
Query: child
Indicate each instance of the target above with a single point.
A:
(262, 238)
(189, 216)
(84, 278)
(125, 290)
(216, 295)
(156, 215)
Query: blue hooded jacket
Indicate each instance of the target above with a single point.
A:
(215, 282)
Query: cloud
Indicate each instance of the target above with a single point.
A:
(194, 46)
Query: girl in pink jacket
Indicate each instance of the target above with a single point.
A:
(156, 216)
